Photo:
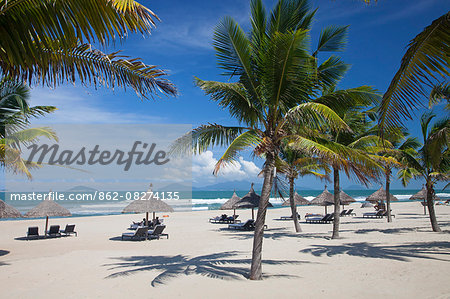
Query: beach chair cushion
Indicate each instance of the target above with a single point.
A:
(33, 231)
(139, 234)
(157, 232)
(70, 229)
(54, 231)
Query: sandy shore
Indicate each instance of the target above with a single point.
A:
(403, 259)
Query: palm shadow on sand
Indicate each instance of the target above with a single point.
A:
(403, 253)
(276, 234)
(225, 266)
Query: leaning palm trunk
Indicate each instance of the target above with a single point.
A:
(430, 204)
(337, 204)
(293, 206)
(256, 267)
(388, 195)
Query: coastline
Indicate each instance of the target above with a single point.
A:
(374, 258)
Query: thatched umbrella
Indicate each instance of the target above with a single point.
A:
(230, 204)
(380, 195)
(47, 208)
(250, 201)
(298, 201)
(345, 198)
(6, 211)
(147, 204)
(422, 195)
(324, 199)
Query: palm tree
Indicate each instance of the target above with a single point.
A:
(433, 160)
(352, 151)
(55, 44)
(277, 80)
(438, 93)
(396, 154)
(425, 62)
(15, 115)
(293, 164)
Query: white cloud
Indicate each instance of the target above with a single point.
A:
(78, 105)
(203, 166)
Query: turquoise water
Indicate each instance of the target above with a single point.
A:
(198, 200)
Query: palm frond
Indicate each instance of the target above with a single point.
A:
(290, 15)
(332, 39)
(341, 100)
(234, 97)
(316, 116)
(204, 137)
(426, 60)
(94, 67)
(244, 141)
(331, 71)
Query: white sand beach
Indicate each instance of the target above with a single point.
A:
(373, 259)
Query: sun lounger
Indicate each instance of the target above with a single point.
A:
(54, 231)
(378, 214)
(325, 219)
(385, 214)
(350, 213)
(343, 213)
(289, 217)
(69, 230)
(219, 219)
(139, 234)
(157, 232)
(248, 225)
(33, 232)
(225, 219)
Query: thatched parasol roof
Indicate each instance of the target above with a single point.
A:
(298, 201)
(147, 204)
(422, 195)
(380, 195)
(250, 200)
(345, 198)
(229, 204)
(323, 199)
(6, 211)
(47, 208)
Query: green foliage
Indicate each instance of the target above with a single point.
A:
(54, 44)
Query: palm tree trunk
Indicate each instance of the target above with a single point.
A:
(388, 197)
(256, 267)
(293, 206)
(337, 204)
(430, 204)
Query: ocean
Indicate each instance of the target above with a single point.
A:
(201, 200)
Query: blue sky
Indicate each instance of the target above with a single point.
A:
(182, 44)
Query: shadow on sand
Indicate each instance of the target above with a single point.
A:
(2, 253)
(402, 253)
(225, 265)
(276, 234)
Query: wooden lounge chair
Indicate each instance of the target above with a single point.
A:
(247, 225)
(54, 231)
(325, 219)
(350, 213)
(33, 232)
(289, 217)
(378, 214)
(69, 230)
(219, 219)
(139, 234)
(157, 232)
